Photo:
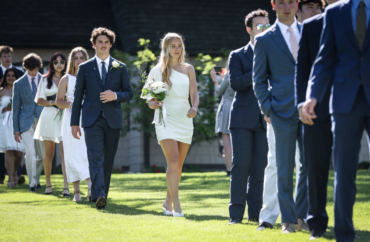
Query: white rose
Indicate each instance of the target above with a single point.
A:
(115, 64)
(159, 90)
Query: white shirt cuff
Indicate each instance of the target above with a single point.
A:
(116, 96)
(300, 105)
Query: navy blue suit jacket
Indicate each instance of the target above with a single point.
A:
(341, 61)
(308, 49)
(245, 112)
(88, 88)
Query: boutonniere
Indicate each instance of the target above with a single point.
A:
(115, 65)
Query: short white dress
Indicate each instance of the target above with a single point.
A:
(49, 124)
(7, 141)
(75, 151)
(177, 125)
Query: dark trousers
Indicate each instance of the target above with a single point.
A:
(347, 133)
(101, 142)
(2, 166)
(249, 147)
(287, 132)
(317, 145)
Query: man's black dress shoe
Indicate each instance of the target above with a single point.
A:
(234, 221)
(21, 180)
(101, 202)
(264, 225)
(38, 186)
(33, 189)
(316, 234)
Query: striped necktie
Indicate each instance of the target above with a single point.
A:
(34, 87)
(103, 72)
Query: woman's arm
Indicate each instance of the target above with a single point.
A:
(224, 84)
(193, 93)
(62, 90)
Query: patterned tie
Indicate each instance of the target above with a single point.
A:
(34, 87)
(293, 43)
(103, 72)
(361, 24)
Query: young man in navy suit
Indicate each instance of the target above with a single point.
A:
(343, 67)
(248, 129)
(273, 75)
(317, 138)
(102, 84)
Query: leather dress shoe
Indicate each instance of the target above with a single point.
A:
(38, 186)
(264, 225)
(101, 202)
(316, 234)
(33, 189)
(287, 228)
(21, 180)
(234, 221)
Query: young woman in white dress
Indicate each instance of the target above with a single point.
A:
(75, 152)
(48, 128)
(176, 135)
(12, 149)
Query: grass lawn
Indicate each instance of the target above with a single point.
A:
(134, 212)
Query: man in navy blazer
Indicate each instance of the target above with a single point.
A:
(102, 84)
(248, 129)
(274, 66)
(317, 138)
(343, 66)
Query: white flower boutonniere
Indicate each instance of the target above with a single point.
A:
(115, 65)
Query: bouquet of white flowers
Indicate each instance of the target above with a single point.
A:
(155, 89)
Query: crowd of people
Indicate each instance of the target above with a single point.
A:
(274, 115)
(281, 116)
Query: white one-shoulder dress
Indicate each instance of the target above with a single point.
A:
(177, 125)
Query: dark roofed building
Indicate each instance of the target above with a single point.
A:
(207, 25)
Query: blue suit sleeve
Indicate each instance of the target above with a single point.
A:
(238, 80)
(260, 75)
(78, 96)
(303, 67)
(16, 107)
(126, 90)
(323, 67)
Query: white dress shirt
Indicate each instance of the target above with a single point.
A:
(286, 34)
(252, 45)
(4, 69)
(99, 62)
(106, 61)
(30, 80)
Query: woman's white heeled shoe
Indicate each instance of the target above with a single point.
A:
(166, 212)
(177, 214)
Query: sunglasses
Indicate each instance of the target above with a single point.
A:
(261, 26)
(62, 62)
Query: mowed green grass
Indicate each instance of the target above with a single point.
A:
(134, 212)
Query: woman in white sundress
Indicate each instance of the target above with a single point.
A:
(175, 136)
(48, 127)
(75, 152)
(12, 149)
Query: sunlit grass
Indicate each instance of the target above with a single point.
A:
(134, 212)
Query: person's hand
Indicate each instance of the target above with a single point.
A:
(267, 119)
(304, 117)
(213, 75)
(76, 132)
(107, 96)
(308, 111)
(8, 108)
(192, 113)
(18, 137)
(154, 104)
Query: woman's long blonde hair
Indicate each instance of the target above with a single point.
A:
(164, 59)
(71, 65)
